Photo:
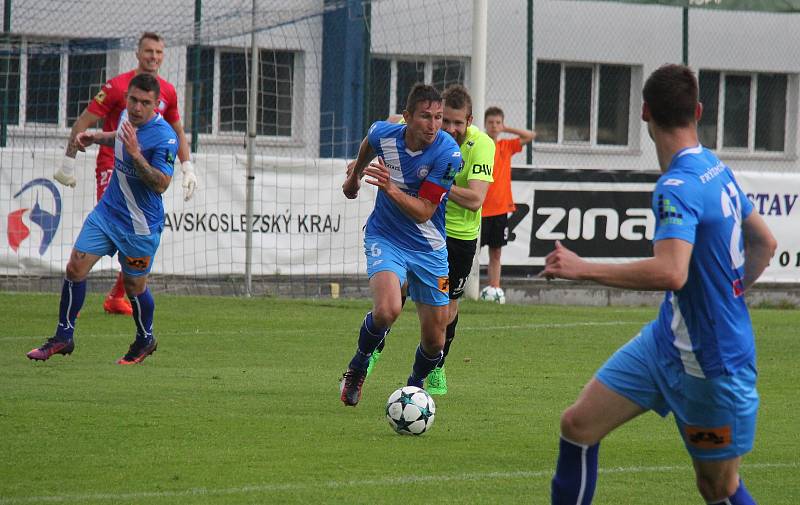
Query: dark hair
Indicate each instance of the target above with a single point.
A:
(494, 111)
(146, 82)
(671, 95)
(456, 96)
(151, 36)
(421, 93)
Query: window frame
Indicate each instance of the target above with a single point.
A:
(750, 151)
(634, 105)
(428, 62)
(217, 134)
(23, 42)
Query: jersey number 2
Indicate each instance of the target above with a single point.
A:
(732, 207)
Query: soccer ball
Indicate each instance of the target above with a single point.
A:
(410, 410)
(493, 294)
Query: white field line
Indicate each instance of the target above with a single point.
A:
(290, 331)
(336, 484)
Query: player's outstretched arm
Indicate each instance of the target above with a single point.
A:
(85, 139)
(189, 183)
(667, 270)
(759, 247)
(65, 173)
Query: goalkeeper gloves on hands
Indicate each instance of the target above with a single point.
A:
(66, 172)
(189, 180)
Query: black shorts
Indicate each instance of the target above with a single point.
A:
(459, 258)
(494, 231)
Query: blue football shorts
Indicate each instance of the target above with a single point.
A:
(101, 238)
(715, 416)
(426, 271)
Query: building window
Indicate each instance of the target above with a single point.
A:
(9, 81)
(42, 83)
(274, 109)
(77, 66)
(391, 81)
(199, 89)
(85, 76)
(275, 92)
(380, 72)
(743, 111)
(583, 104)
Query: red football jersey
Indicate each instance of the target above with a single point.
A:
(111, 100)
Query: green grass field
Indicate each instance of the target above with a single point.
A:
(240, 406)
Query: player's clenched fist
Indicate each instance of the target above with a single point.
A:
(352, 182)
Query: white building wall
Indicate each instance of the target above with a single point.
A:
(564, 30)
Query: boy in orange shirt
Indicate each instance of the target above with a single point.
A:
(499, 201)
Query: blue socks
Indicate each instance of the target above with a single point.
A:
(576, 477)
(370, 337)
(423, 364)
(576, 474)
(143, 308)
(72, 296)
(740, 497)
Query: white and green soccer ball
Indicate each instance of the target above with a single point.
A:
(410, 410)
(493, 294)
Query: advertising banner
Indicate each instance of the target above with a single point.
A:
(302, 223)
(606, 216)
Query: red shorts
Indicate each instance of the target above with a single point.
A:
(103, 176)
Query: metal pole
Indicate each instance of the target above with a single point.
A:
(251, 141)
(478, 77)
(529, 87)
(6, 72)
(685, 35)
(198, 20)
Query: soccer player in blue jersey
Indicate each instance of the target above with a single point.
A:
(129, 218)
(405, 235)
(697, 359)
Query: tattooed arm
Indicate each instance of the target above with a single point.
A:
(85, 139)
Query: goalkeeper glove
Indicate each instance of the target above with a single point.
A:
(189, 180)
(66, 172)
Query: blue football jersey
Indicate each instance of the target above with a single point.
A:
(438, 163)
(128, 202)
(705, 325)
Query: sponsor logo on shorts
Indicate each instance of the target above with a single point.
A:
(138, 263)
(708, 438)
(444, 284)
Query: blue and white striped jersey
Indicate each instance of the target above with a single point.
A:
(438, 163)
(128, 202)
(705, 325)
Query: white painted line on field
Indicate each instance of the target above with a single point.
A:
(553, 325)
(335, 484)
(289, 331)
